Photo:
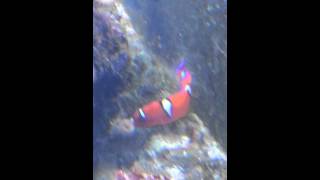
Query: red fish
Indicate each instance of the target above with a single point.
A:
(169, 109)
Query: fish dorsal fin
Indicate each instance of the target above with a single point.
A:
(181, 65)
(167, 107)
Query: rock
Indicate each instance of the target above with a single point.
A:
(174, 155)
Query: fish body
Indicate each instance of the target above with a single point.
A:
(170, 109)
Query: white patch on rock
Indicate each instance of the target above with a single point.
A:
(175, 172)
(106, 2)
(162, 143)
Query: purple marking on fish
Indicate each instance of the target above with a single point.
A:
(181, 65)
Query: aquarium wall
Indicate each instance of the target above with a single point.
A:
(137, 46)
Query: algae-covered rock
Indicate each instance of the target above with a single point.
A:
(160, 143)
(181, 154)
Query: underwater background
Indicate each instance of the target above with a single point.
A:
(137, 44)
